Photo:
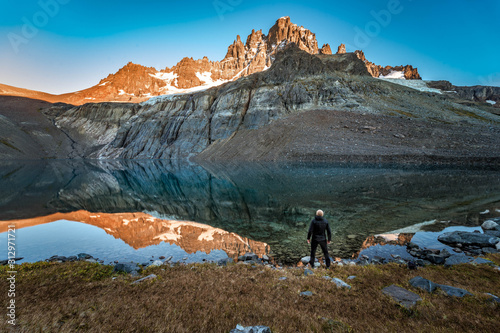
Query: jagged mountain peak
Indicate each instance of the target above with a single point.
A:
(134, 82)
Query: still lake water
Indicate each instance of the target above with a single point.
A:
(236, 207)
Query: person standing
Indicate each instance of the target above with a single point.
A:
(317, 233)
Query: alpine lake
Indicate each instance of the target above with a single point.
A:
(138, 210)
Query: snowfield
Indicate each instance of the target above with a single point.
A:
(414, 84)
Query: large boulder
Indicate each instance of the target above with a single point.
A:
(429, 286)
(452, 291)
(468, 238)
(457, 259)
(404, 297)
(420, 282)
(490, 225)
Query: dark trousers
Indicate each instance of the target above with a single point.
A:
(314, 246)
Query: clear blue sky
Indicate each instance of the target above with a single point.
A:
(79, 42)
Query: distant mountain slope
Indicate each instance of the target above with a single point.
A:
(6, 90)
(304, 107)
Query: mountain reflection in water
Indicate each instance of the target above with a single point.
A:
(140, 230)
(269, 203)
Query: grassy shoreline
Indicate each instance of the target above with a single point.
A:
(88, 297)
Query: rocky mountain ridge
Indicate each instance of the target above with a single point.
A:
(266, 116)
(137, 83)
(485, 94)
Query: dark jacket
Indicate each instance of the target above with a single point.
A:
(317, 229)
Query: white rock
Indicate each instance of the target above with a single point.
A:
(340, 283)
(489, 225)
(156, 263)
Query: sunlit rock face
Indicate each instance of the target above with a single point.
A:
(140, 230)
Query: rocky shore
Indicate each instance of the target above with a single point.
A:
(468, 248)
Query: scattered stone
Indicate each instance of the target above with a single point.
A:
(308, 272)
(57, 259)
(250, 329)
(306, 293)
(156, 263)
(404, 297)
(411, 264)
(225, 261)
(83, 256)
(265, 258)
(468, 238)
(412, 245)
(489, 250)
(352, 277)
(283, 278)
(248, 257)
(126, 267)
(340, 283)
(326, 277)
(420, 282)
(399, 136)
(474, 252)
(456, 259)
(161, 257)
(493, 298)
(305, 260)
(480, 261)
(92, 260)
(146, 278)
(452, 291)
(498, 246)
(457, 250)
(436, 259)
(72, 258)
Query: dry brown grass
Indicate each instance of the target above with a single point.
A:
(205, 298)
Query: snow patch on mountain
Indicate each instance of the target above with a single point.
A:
(393, 75)
(414, 84)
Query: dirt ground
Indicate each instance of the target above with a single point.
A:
(325, 135)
